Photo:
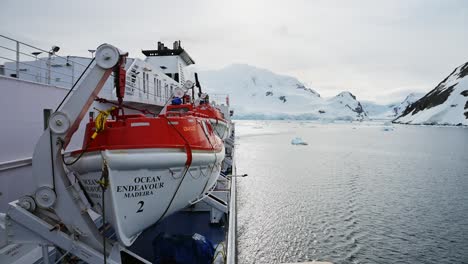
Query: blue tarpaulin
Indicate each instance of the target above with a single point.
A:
(182, 249)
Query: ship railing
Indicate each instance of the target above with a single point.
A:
(219, 99)
(231, 255)
(30, 63)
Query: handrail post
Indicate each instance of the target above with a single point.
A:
(48, 67)
(73, 73)
(17, 59)
(45, 254)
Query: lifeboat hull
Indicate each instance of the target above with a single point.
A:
(146, 185)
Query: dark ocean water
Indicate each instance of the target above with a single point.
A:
(355, 194)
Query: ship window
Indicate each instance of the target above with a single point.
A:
(176, 77)
(158, 88)
(169, 74)
(147, 83)
(179, 109)
(155, 87)
(144, 82)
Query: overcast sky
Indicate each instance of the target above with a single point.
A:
(378, 50)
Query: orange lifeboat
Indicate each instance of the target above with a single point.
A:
(155, 166)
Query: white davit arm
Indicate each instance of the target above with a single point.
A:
(64, 123)
(54, 191)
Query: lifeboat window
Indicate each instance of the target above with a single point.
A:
(208, 125)
(204, 127)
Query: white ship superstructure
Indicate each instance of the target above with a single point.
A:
(150, 82)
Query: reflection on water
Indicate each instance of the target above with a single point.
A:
(357, 193)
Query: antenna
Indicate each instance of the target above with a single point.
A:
(197, 84)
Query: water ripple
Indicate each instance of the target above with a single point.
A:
(361, 197)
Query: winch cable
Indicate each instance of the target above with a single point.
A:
(188, 163)
(73, 87)
(143, 111)
(104, 183)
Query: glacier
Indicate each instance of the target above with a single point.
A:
(257, 93)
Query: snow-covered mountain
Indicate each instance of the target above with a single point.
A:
(390, 111)
(447, 104)
(261, 94)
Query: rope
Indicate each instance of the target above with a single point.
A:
(202, 173)
(188, 151)
(100, 125)
(172, 174)
(193, 176)
(101, 119)
(223, 254)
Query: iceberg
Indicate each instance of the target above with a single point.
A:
(298, 141)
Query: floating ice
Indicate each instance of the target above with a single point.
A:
(388, 123)
(298, 141)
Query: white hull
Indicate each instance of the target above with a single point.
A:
(146, 185)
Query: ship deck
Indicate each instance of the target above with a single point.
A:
(180, 223)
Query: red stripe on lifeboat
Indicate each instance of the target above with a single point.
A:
(173, 130)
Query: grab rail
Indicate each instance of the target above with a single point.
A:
(232, 234)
